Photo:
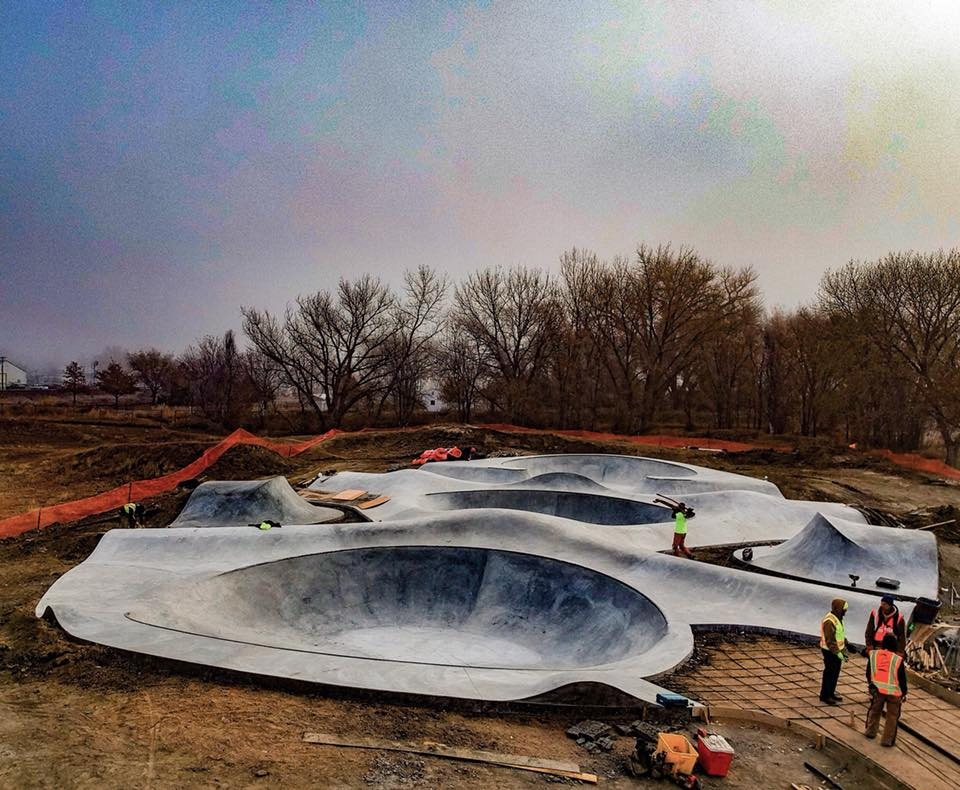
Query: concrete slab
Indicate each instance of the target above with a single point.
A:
(238, 503)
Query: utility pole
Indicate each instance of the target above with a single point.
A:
(3, 374)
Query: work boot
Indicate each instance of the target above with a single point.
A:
(836, 698)
(828, 701)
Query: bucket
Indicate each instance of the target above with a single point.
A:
(926, 610)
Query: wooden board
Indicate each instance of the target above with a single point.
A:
(518, 761)
(348, 496)
(373, 502)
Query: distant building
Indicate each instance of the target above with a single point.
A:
(11, 375)
(432, 401)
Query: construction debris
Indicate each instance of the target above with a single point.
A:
(594, 736)
(429, 748)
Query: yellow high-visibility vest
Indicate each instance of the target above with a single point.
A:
(680, 524)
(838, 624)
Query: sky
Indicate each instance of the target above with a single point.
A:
(162, 164)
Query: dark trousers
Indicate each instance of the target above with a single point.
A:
(831, 674)
(874, 713)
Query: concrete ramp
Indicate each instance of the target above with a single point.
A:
(228, 503)
(829, 549)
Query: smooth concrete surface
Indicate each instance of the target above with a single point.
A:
(235, 503)
(480, 602)
(442, 605)
(601, 489)
(831, 549)
(589, 508)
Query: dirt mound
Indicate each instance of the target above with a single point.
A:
(248, 461)
(117, 464)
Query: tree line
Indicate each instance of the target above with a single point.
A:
(663, 336)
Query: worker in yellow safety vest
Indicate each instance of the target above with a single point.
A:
(887, 678)
(133, 513)
(833, 645)
(680, 513)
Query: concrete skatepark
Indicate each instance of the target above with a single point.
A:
(500, 579)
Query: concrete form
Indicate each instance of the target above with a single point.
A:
(553, 581)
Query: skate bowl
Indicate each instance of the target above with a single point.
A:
(639, 475)
(229, 503)
(417, 604)
(498, 605)
(828, 550)
(588, 508)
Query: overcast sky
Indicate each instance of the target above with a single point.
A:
(162, 164)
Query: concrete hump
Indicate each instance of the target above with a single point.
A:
(238, 503)
(829, 549)
(562, 481)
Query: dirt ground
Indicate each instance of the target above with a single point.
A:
(80, 715)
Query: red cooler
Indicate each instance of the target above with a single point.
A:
(715, 754)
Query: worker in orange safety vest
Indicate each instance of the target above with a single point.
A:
(886, 620)
(887, 679)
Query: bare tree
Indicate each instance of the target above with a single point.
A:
(330, 349)
(819, 349)
(513, 316)
(578, 376)
(651, 318)
(908, 305)
(460, 367)
(721, 362)
(153, 369)
(409, 352)
(217, 378)
(265, 380)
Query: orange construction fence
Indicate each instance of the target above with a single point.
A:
(141, 489)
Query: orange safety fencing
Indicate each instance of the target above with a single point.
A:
(141, 489)
(653, 440)
(918, 462)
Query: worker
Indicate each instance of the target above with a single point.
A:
(833, 645)
(887, 679)
(132, 513)
(886, 620)
(680, 512)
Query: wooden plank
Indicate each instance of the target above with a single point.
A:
(348, 495)
(373, 502)
(518, 761)
(895, 762)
